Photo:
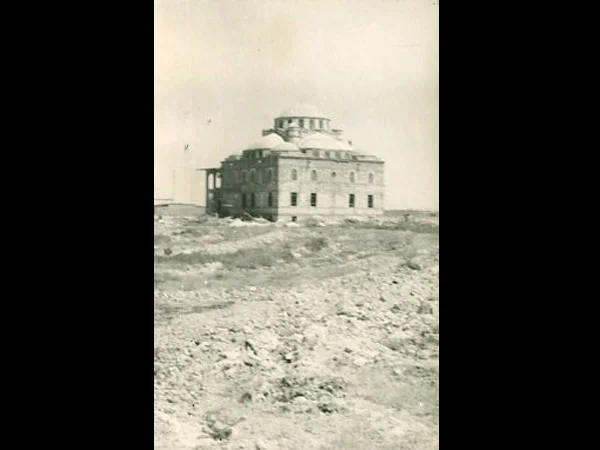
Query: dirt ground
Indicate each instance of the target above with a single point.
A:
(296, 336)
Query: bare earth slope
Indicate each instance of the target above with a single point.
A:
(303, 337)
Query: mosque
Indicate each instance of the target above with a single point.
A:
(301, 167)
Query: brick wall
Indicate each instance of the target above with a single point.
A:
(272, 174)
(332, 186)
(260, 180)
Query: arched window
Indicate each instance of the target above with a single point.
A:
(321, 124)
(352, 177)
(333, 174)
(313, 175)
(301, 123)
(316, 153)
(270, 200)
(371, 178)
(326, 154)
(294, 174)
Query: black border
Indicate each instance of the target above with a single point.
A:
(81, 349)
(503, 281)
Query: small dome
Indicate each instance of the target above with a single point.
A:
(303, 110)
(267, 142)
(322, 142)
(287, 146)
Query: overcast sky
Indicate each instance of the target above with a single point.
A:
(223, 69)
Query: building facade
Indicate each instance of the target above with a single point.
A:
(301, 167)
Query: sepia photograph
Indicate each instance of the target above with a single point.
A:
(296, 224)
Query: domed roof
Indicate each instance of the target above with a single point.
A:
(287, 146)
(303, 110)
(322, 142)
(344, 145)
(267, 142)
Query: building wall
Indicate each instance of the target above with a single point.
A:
(272, 174)
(332, 191)
(250, 177)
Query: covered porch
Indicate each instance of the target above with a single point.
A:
(213, 190)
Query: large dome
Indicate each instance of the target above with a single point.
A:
(344, 145)
(287, 146)
(321, 141)
(303, 110)
(267, 142)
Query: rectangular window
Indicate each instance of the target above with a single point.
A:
(301, 123)
(351, 201)
(244, 200)
(294, 199)
(252, 200)
(313, 199)
(370, 201)
(270, 200)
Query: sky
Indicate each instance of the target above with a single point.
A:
(224, 69)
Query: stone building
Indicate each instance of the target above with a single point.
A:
(300, 167)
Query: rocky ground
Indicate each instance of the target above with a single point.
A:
(296, 336)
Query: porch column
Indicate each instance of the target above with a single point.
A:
(206, 192)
